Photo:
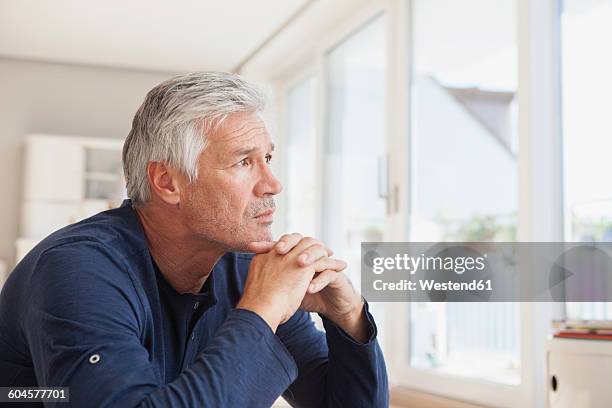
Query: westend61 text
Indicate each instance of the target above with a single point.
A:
(429, 284)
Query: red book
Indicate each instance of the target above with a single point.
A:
(589, 336)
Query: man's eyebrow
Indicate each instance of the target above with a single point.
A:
(248, 150)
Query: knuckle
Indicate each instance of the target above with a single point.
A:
(313, 241)
(338, 264)
(314, 248)
(307, 241)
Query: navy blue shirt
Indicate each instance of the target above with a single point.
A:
(88, 309)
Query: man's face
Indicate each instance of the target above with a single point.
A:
(232, 201)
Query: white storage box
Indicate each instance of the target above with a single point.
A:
(579, 373)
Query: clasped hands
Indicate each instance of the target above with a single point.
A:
(298, 272)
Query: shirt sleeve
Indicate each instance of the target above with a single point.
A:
(334, 369)
(84, 331)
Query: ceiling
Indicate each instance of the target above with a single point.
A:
(177, 36)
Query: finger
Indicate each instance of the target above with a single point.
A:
(260, 247)
(312, 254)
(330, 263)
(287, 242)
(301, 246)
(307, 258)
(322, 280)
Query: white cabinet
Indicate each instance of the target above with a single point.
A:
(53, 170)
(65, 180)
(579, 373)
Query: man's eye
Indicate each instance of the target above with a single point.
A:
(268, 158)
(244, 162)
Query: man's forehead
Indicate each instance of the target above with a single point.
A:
(241, 134)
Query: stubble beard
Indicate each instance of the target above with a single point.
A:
(217, 226)
(264, 231)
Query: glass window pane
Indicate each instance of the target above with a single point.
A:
(586, 34)
(355, 147)
(300, 190)
(464, 172)
(355, 142)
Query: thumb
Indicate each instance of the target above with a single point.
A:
(260, 247)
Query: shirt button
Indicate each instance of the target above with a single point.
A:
(195, 305)
(94, 358)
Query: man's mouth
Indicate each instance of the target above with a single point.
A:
(265, 216)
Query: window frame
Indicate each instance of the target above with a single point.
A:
(281, 91)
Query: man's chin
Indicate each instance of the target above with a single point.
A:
(263, 235)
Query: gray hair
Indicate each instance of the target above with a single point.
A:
(172, 124)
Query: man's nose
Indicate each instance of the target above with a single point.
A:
(268, 184)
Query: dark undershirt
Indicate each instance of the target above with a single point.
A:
(181, 313)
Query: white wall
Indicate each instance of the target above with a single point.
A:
(60, 99)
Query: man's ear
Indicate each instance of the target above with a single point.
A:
(165, 182)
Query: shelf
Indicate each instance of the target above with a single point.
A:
(92, 181)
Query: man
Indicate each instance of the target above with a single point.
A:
(157, 303)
